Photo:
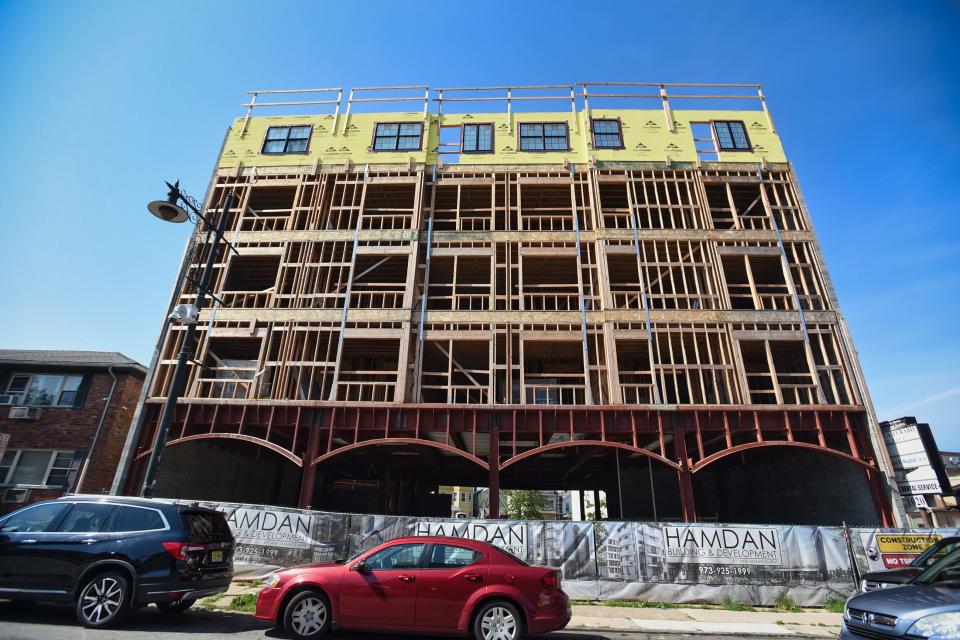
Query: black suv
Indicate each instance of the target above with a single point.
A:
(113, 554)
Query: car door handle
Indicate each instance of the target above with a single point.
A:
(405, 578)
(89, 540)
(473, 577)
(28, 541)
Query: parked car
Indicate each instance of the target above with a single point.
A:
(896, 577)
(108, 555)
(927, 607)
(430, 584)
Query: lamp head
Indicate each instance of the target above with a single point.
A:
(168, 210)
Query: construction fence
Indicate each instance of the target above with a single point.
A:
(654, 561)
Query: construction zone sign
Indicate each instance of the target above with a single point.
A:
(894, 550)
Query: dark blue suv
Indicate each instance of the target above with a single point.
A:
(109, 555)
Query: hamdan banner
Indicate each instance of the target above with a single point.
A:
(657, 561)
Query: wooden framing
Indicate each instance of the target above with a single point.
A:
(585, 302)
(615, 259)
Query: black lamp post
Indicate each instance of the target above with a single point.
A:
(169, 210)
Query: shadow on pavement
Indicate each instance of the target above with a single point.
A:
(200, 621)
(146, 619)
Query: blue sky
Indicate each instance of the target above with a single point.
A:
(101, 101)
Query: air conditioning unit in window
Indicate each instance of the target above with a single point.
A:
(16, 495)
(25, 413)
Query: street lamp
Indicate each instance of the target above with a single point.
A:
(170, 210)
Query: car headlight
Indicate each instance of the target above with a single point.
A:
(273, 580)
(941, 625)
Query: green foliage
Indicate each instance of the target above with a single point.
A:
(637, 604)
(246, 602)
(732, 605)
(835, 605)
(592, 513)
(526, 504)
(786, 603)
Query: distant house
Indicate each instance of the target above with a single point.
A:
(944, 510)
(64, 417)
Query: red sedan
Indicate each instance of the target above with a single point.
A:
(428, 584)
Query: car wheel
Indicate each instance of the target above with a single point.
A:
(104, 600)
(307, 615)
(176, 606)
(498, 620)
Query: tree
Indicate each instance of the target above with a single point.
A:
(591, 512)
(526, 504)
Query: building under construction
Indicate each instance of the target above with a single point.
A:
(602, 286)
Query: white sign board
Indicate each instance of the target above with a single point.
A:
(722, 545)
(510, 537)
(911, 462)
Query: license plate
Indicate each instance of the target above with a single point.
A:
(216, 556)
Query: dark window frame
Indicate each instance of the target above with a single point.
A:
(735, 149)
(477, 557)
(129, 508)
(493, 135)
(76, 402)
(73, 467)
(286, 140)
(377, 125)
(543, 137)
(593, 133)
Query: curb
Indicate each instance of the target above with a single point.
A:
(646, 633)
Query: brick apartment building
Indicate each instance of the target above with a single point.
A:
(64, 417)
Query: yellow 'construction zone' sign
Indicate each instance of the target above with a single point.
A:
(905, 543)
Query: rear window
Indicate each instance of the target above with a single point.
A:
(136, 519)
(205, 524)
(446, 556)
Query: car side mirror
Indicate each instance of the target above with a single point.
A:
(361, 567)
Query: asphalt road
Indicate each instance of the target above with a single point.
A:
(39, 621)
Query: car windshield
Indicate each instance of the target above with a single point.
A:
(943, 572)
(935, 552)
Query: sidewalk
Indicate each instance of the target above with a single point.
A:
(706, 621)
(709, 622)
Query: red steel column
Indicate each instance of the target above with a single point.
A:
(134, 478)
(494, 466)
(309, 468)
(684, 475)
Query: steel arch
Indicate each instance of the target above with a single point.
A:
(286, 453)
(392, 441)
(779, 443)
(587, 443)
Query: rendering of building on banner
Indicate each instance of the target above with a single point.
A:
(606, 288)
